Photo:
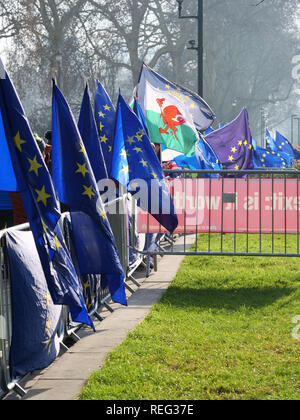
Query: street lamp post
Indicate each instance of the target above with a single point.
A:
(263, 126)
(298, 120)
(293, 117)
(193, 46)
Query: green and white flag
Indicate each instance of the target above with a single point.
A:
(173, 114)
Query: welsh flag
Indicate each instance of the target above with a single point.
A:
(173, 113)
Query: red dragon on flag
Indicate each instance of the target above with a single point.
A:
(171, 116)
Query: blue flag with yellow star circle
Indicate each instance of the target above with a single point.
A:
(41, 204)
(105, 119)
(77, 188)
(136, 167)
(232, 143)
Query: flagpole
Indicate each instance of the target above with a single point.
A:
(59, 58)
(199, 47)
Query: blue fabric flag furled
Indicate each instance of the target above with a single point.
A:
(8, 181)
(134, 159)
(270, 142)
(208, 131)
(35, 319)
(41, 204)
(232, 143)
(204, 158)
(76, 186)
(89, 134)
(281, 145)
(187, 162)
(139, 113)
(105, 120)
(286, 147)
(266, 158)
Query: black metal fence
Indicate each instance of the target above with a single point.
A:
(242, 213)
(67, 329)
(223, 213)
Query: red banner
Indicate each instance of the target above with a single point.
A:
(232, 205)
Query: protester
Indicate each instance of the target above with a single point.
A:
(48, 149)
(157, 150)
(170, 165)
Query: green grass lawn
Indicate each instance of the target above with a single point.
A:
(223, 330)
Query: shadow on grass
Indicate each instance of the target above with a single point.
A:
(230, 299)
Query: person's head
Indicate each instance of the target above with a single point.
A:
(157, 148)
(48, 137)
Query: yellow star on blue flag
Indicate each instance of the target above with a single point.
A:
(105, 119)
(93, 238)
(134, 159)
(40, 202)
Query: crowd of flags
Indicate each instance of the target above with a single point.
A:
(180, 120)
(114, 143)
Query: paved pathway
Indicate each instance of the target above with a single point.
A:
(64, 379)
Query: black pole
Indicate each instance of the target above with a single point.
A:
(298, 119)
(200, 47)
(292, 128)
(263, 126)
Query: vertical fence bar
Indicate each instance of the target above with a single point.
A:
(297, 214)
(148, 268)
(172, 195)
(235, 208)
(260, 208)
(272, 213)
(184, 239)
(209, 214)
(285, 238)
(197, 211)
(247, 234)
(222, 215)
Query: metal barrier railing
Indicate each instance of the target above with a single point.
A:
(66, 329)
(254, 212)
(93, 302)
(117, 211)
(5, 322)
(6, 383)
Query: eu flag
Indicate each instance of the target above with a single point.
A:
(203, 159)
(209, 130)
(41, 204)
(89, 134)
(134, 159)
(206, 157)
(76, 186)
(8, 180)
(105, 120)
(187, 162)
(286, 147)
(232, 143)
(139, 113)
(35, 319)
(267, 158)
